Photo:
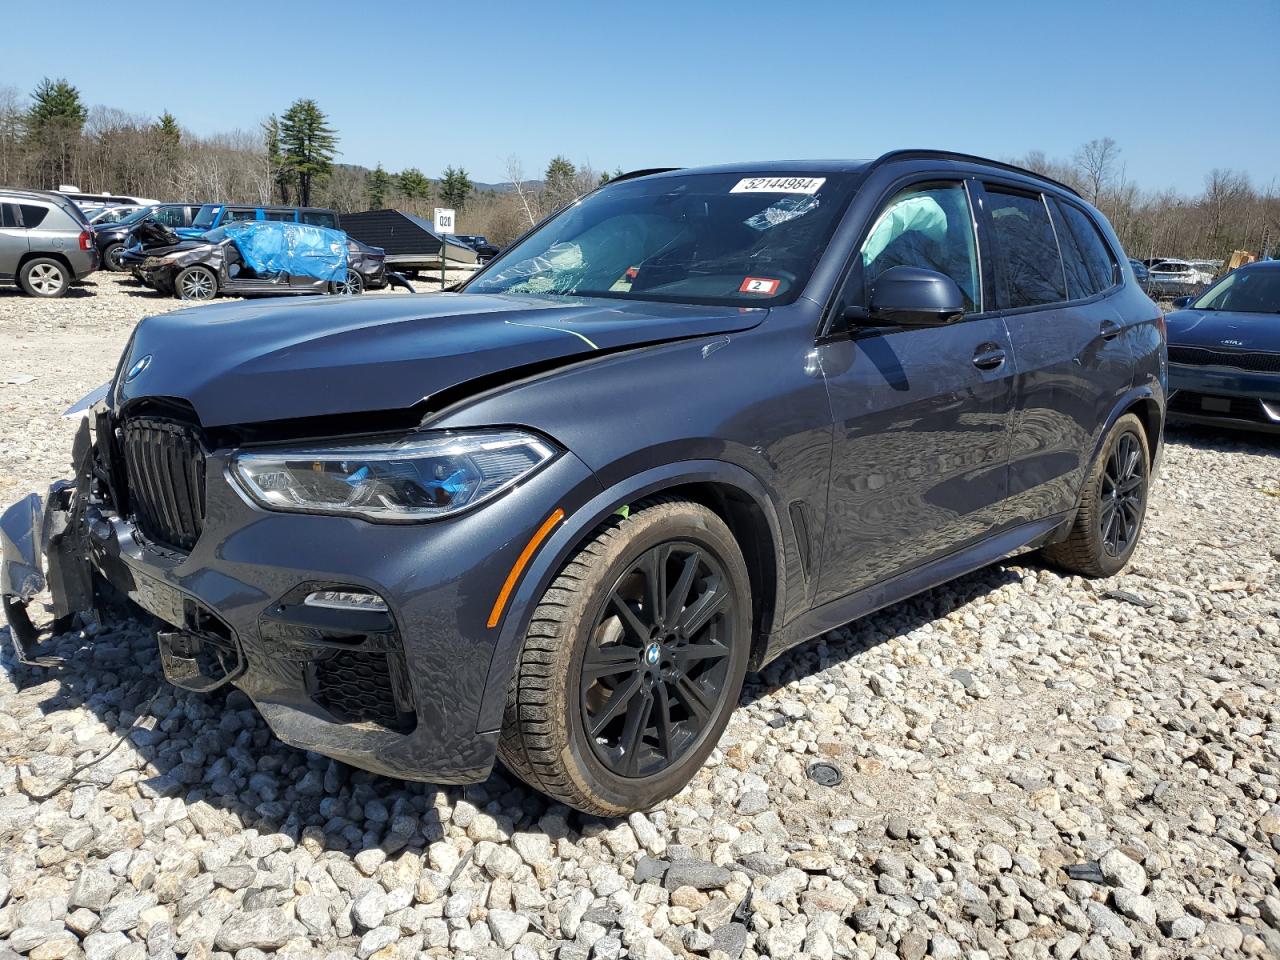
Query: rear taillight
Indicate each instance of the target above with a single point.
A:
(1162, 326)
(86, 240)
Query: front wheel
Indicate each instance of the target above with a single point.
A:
(196, 283)
(1112, 507)
(632, 663)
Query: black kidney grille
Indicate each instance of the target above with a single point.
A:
(164, 466)
(1241, 360)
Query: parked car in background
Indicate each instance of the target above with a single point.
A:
(485, 251)
(685, 424)
(1224, 351)
(91, 203)
(114, 214)
(45, 243)
(265, 257)
(1140, 272)
(1176, 278)
(112, 239)
(214, 215)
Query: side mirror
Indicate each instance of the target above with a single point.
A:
(915, 297)
(1181, 303)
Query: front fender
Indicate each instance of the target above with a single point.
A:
(561, 545)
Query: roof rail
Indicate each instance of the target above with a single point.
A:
(633, 174)
(916, 154)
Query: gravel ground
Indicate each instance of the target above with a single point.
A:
(1031, 766)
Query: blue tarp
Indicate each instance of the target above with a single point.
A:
(271, 247)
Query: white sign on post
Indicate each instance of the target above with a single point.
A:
(444, 220)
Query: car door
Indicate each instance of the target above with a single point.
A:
(13, 242)
(921, 415)
(1072, 362)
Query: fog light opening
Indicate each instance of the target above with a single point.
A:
(345, 600)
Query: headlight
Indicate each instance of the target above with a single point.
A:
(418, 478)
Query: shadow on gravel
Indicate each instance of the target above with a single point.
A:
(1223, 441)
(853, 639)
(71, 294)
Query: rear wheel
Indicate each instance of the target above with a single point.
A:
(1112, 507)
(44, 277)
(196, 283)
(633, 662)
(353, 285)
(111, 258)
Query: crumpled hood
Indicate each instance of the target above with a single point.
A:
(239, 363)
(1223, 329)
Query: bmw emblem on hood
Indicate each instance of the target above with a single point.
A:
(137, 369)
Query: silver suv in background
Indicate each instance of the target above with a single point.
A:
(45, 243)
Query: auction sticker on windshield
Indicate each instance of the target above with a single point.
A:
(762, 285)
(778, 185)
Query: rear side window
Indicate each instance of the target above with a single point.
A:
(1026, 249)
(8, 215)
(319, 218)
(1099, 262)
(233, 215)
(281, 215)
(33, 216)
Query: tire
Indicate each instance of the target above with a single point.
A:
(1104, 536)
(579, 625)
(352, 286)
(111, 258)
(195, 283)
(44, 277)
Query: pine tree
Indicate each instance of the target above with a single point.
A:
(558, 183)
(413, 183)
(455, 187)
(167, 128)
(280, 175)
(54, 123)
(307, 145)
(377, 184)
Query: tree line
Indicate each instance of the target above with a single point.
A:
(51, 137)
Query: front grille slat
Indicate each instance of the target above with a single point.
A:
(164, 467)
(1256, 362)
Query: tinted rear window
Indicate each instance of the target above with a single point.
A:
(319, 218)
(33, 216)
(1026, 249)
(1097, 255)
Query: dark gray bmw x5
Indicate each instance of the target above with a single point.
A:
(555, 516)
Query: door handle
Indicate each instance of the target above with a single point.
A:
(988, 356)
(1109, 329)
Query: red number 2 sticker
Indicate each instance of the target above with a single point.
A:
(761, 285)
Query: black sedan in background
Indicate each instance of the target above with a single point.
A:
(1224, 351)
(112, 239)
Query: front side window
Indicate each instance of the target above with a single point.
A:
(1245, 291)
(925, 226)
(713, 238)
(1026, 249)
(169, 216)
(234, 215)
(319, 218)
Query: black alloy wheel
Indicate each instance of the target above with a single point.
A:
(1122, 495)
(657, 660)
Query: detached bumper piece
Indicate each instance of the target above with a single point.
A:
(46, 545)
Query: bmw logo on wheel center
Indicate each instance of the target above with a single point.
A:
(137, 369)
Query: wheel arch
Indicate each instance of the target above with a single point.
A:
(731, 492)
(46, 255)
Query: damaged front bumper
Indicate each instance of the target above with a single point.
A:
(402, 691)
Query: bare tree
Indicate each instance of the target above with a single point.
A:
(1096, 161)
(515, 173)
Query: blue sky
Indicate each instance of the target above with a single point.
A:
(1183, 87)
